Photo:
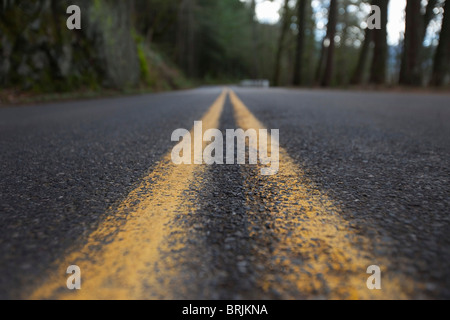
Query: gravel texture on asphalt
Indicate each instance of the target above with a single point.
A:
(63, 165)
(385, 159)
(382, 158)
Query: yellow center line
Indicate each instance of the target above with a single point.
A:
(318, 254)
(130, 265)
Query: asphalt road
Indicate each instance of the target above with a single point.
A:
(363, 180)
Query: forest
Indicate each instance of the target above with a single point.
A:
(170, 44)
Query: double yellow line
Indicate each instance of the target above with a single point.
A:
(130, 266)
(310, 229)
(125, 260)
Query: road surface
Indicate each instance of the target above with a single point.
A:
(363, 180)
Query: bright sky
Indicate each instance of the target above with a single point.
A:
(268, 12)
(396, 21)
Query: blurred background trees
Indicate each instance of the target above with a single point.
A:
(162, 44)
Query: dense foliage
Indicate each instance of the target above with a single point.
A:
(145, 42)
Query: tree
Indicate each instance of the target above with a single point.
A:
(410, 69)
(380, 55)
(186, 37)
(416, 26)
(256, 72)
(328, 46)
(358, 73)
(441, 67)
(284, 30)
(299, 54)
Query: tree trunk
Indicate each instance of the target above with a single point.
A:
(380, 55)
(441, 67)
(410, 69)
(331, 33)
(255, 40)
(321, 63)
(342, 60)
(185, 51)
(358, 74)
(298, 65)
(284, 29)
